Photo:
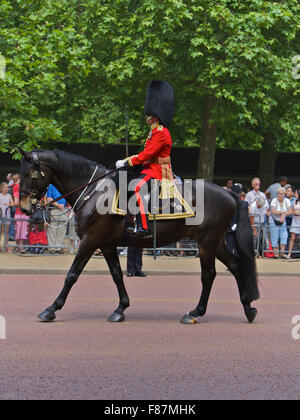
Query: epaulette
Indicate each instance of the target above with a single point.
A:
(160, 127)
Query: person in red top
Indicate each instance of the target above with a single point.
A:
(155, 157)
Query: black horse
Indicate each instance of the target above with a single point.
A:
(67, 172)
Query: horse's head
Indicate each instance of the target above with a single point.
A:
(35, 178)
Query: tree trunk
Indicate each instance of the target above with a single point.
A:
(206, 160)
(267, 161)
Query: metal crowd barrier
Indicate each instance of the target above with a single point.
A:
(70, 241)
(184, 247)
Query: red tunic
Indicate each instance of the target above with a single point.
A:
(158, 144)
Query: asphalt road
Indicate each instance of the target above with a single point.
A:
(151, 355)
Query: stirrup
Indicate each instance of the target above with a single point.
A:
(131, 229)
(143, 233)
(139, 231)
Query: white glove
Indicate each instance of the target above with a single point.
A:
(233, 227)
(120, 164)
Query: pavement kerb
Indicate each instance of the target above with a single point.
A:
(163, 266)
(91, 271)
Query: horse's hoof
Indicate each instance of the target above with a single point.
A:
(188, 319)
(251, 314)
(116, 317)
(47, 316)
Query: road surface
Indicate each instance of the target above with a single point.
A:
(151, 355)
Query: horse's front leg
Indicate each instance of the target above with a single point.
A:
(83, 255)
(111, 256)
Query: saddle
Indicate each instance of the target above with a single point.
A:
(167, 203)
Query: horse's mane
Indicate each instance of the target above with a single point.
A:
(72, 164)
(68, 163)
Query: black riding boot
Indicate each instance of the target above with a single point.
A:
(138, 229)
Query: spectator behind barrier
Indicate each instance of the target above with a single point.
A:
(258, 212)
(272, 191)
(21, 226)
(255, 193)
(228, 184)
(6, 202)
(280, 208)
(11, 184)
(295, 227)
(290, 194)
(9, 179)
(37, 239)
(56, 232)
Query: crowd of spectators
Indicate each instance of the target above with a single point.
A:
(9, 205)
(32, 236)
(278, 209)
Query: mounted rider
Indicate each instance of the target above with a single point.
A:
(155, 157)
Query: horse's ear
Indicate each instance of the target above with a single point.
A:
(24, 154)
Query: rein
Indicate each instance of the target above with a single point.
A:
(70, 211)
(43, 207)
(34, 161)
(81, 188)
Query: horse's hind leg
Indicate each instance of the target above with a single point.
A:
(111, 256)
(208, 274)
(232, 263)
(83, 255)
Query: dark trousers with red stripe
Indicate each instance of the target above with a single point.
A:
(144, 179)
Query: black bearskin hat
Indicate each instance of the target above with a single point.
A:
(160, 101)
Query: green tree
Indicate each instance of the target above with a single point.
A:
(72, 66)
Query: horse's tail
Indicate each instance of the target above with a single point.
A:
(245, 246)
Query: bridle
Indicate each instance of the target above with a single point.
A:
(35, 172)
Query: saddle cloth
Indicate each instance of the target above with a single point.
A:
(171, 205)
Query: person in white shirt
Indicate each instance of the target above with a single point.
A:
(6, 202)
(258, 211)
(295, 227)
(255, 193)
(280, 208)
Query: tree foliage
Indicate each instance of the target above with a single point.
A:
(72, 65)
